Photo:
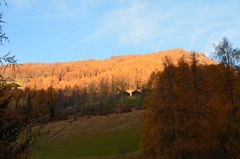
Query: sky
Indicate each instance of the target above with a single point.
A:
(66, 30)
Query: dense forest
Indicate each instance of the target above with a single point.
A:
(122, 72)
(193, 110)
(87, 87)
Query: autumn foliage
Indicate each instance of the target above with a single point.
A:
(121, 72)
(192, 111)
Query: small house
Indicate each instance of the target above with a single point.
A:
(123, 93)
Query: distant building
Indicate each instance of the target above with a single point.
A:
(12, 86)
(123, 93)
(130, 92)
(136, 93)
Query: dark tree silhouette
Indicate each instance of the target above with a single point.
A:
(226, 54)
(11, 123)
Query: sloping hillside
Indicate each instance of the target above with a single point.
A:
(113, 136)
(129, 70)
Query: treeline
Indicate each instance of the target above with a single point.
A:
(134, 70)
(59, 103)
(193, 110)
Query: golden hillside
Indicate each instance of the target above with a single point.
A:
(129, 70)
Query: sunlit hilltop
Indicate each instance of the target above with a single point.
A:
(130, 70)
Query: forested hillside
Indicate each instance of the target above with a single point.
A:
(120, 72)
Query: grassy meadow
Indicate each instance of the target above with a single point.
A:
(93, 137)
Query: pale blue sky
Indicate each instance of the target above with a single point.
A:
(65, 30)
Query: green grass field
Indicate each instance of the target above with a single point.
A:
(112, 136)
